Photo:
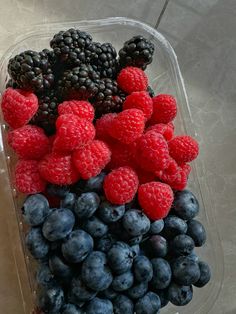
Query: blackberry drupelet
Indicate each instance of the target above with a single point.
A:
(32, 70)
(78, 83)
(12, 84)
(150, 91)
(137, 51)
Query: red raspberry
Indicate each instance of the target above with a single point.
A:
(183, 148)
(66, 118)
(128, 125)
(164, 109)
(18, 107)
(156, 199)
(152, 152)
(171, 125)
(73, 134)
(80, 108)
(186, 168)
(145, 176)
(58, 169)
(139, 100)
(180, 181)
(122, 155)
(131, 79)
(103, 125)
(27, 177)
(120, 185)
(29, 142)
(91, 159)
(164, 129)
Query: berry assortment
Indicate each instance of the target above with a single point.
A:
(112, 226)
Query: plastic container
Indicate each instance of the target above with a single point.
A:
(165, 77)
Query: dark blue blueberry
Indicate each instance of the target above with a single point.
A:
(95, 227)
(36, 244)
(136, 250)
(180, 295)
(163, 295)
(105, 243)
(197, 232)
(86, 205)
(123, 282)
(123, 305)
(194, 257)
(58, 190)
(95, 184)
(35, 209)
(110, 213)
(79, 292)
(51, 300)
(205, 275)
(120, 257)
(150, 303)
(135, 240)
(138, 290)
(95, 272)
(161, 273)
(109, 293)
(71, 309)
(185, 205)
(99, 306)
(44, 276)
(159, 246)
(157, 226)
(185, 271)
(135, 222)
(182, 245)
(174, 226)
(77, 246)
(69, 201)
(60, 269)
(142, 269)
(58, 224)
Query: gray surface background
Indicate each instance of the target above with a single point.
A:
(202, 33)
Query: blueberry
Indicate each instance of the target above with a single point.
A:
(95, 184)
(205, 275)
(105, 243)
(99, 306)
(86, 205)
(123, 282)
(182, 245)
(197, 232)
(36, 244)
(180, 295)
(77, 246)
(185, 271)
(79, 292)
(123, 305)
(157, 226)
(163, 295)
(150, 303)
(174, 226)
(44, 276)
(135, 222)
(95, 227)
(137, 290)
(161, 273)
(142, 269)
(58, 190)
(109, 293)
(120, 257)
(60, 269)
(95, 272)
(159, 246)
(51, 300)
(193, 256)
(185, 205)
(71, 309)
(110, 213)
(35, 209)
(58, 224)
(68, 201)
(136, 250)
(135, 240)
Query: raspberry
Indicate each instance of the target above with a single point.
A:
(83, 109)
(156, 199)
(131, 79)
(29, 142)
(164, 129)
(139, 100)
(58, 169)
(91, 159)
(128, 125)
(145, 176)
(103, 125)
(152, 152)
(27, 177)
(122, 155)
(186, 168)
(180, 181)
(73, 134)
(18, 107)
(164, 109)
(65, 118)
(183, 148)
(120, 185)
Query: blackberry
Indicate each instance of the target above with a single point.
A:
(150, 91)
(12, 84)
(137, 51)
(103, 59)
(70, 46)
(78, 83)
(31, 70)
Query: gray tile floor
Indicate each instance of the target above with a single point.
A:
(203, 35)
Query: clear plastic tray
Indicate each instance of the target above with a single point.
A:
(165, 77)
